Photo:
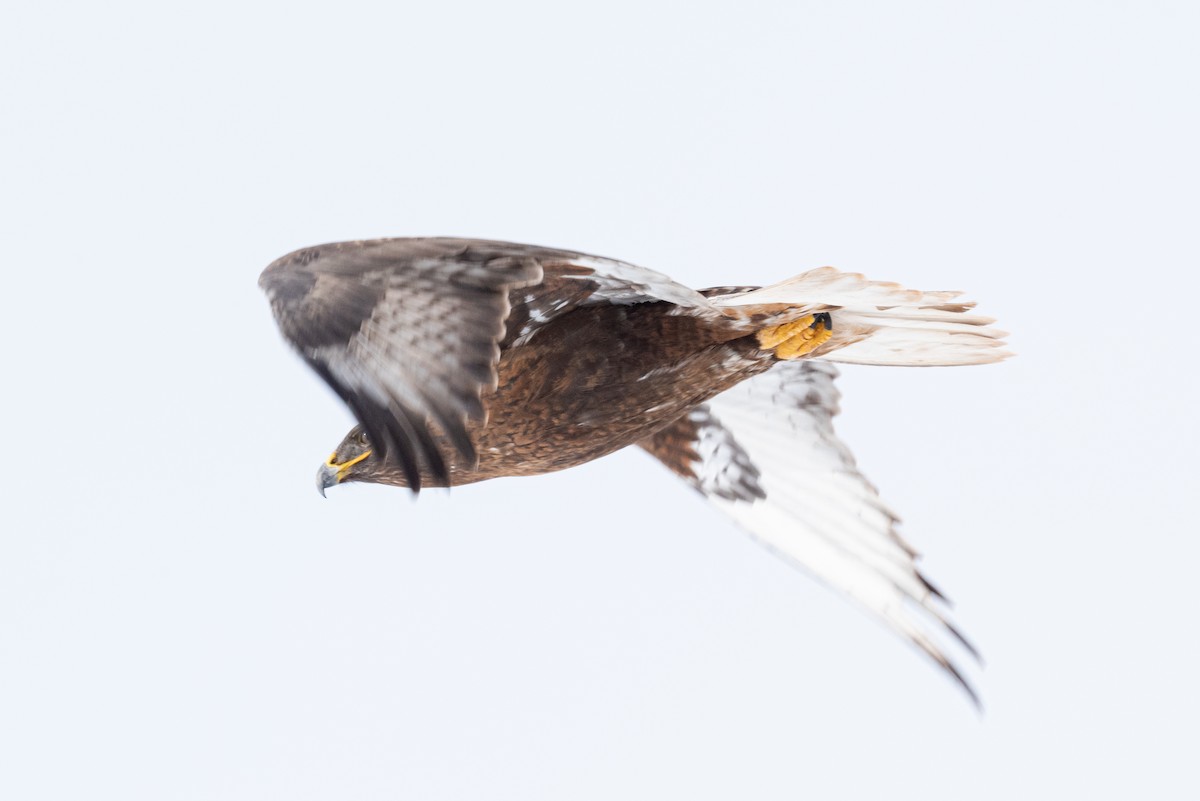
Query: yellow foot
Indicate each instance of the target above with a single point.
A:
(797, 338)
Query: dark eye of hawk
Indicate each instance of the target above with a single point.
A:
(361, 437)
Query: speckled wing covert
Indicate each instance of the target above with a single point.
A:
(765, 453)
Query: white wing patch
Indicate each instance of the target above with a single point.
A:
(819, 512)
(621, 282)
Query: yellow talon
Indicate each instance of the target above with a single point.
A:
(770, 337)
(797, 338)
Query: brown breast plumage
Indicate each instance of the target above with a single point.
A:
(600, 378)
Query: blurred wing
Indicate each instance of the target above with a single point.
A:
(408, 330)
(765, 453)
(405, 331)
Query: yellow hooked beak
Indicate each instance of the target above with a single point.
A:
(331, 472)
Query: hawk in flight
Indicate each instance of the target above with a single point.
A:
(465, 360)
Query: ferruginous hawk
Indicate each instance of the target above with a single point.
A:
(465, 360)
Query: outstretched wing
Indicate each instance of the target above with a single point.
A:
(404, 330)
(765, 453)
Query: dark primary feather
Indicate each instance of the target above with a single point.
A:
(404, 331)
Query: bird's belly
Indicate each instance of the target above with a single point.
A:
(554, 408)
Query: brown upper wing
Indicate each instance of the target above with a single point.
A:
(409, 330)
(404, 330)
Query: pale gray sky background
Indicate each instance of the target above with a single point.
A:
(182, 617)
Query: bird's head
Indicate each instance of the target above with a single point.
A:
(351, 461)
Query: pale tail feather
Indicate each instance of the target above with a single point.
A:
(877, 322)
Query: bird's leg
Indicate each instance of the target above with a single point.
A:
(797, 338)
